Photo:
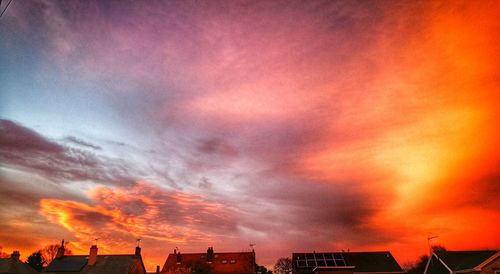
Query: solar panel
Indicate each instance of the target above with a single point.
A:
(309, 260)
(301, 263)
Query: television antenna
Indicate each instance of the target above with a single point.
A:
(96, 239)
(429, 238)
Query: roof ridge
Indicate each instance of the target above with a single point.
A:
(477, 250)
(203, 253)
(86, 255)
(380, 251)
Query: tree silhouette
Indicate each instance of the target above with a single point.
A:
(419, 266)
(36, 261)
(283, 266)
(260, 269)
(49, 253)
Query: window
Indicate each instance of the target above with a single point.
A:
(232, 261)
(224, 261)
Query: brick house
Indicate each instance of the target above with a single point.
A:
(464, 262)
(345, 263)
(210, 262)
(96, 264)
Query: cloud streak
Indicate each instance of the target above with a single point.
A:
(23, 148)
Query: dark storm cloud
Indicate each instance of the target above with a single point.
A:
(328, 210)
(25, 149)
(22, 139)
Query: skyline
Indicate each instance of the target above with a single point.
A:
(297, 126)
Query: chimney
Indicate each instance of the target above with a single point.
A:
(137, 251)
(15, 255)
(178, 257)
(157, 269)
(60, 251)
(92, 255)
(175, 251)
(210, 254)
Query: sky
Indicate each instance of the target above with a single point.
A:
(297, 126)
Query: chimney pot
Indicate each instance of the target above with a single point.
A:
(92, 255)
(15, 255)
(60, 251)
(210, 254)
(137, 251)
(157, 269)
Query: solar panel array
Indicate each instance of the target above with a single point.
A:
(320, 259)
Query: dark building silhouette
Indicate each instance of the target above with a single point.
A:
(96, 264)
(13, 265)
(464, 262)
(345, 263)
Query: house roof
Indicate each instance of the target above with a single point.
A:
(458, 260)
(10, 265)
(223, 262)
(112, 264)
(381, 261)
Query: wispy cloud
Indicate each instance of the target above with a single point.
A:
(82, 143)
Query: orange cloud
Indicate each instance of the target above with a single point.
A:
(118, 216)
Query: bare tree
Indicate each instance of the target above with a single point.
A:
(419, 266)
(35, 260)
(49, 253)
(283, 266)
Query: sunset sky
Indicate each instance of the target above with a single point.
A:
(293, 125)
